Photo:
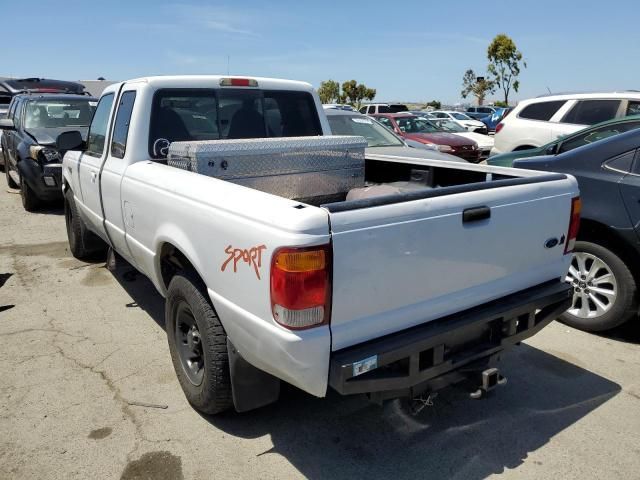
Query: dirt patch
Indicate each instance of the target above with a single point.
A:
(154, 466)
(97, 276)
(53, 249)
(100, 433)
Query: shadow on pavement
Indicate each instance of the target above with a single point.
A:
(348, 437)
(628, 332)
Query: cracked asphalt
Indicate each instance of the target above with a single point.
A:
(87, 390)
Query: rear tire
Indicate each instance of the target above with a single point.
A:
(30, 201)
(82, 242)
(10, 181)
(198, 345)
(611, 297)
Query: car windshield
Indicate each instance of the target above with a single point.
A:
(450, 126)
(59, 113)
(376, 134)
(460, 116)
(416, 125)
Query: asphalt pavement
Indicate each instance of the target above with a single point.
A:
(87, 391)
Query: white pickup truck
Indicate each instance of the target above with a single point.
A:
(393, 294)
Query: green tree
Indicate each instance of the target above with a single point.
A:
(329, 91)
(354, 92)
(435, 104)
(500, 103)
(504, 63)
(479, 87)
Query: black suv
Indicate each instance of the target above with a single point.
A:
(605, 269)
(32, 161)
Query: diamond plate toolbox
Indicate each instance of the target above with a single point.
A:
(296, 168)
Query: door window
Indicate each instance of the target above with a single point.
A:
(121, 126)
(541, 110)
(633, 108)
(596, 134)
(622, 162)
(589, 112)
(98, 129)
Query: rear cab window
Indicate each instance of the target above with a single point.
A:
(212, 114)
(541, 110)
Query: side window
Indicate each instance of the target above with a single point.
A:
(622, 162)
(597, 134)
(589, 112)
(363, 110)
(541, 110)
(121, 126)
(98, 129)
(386, 122)
(633, 108)
(12, 110)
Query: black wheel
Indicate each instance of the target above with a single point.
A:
(605, 293)
(10, 181)
(30, 201)
(198, 345)
(82, 242)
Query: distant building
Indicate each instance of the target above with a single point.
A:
(96, 87)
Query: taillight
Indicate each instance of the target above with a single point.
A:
(499, 127)
(301, 286)
(238, 82)
(574, 225)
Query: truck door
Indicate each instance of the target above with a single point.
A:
(91, 161)
(117, 160)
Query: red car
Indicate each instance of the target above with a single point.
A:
(420, 130)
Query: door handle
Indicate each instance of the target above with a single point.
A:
(476, 214)
(94, 174)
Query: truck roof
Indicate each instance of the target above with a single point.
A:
(212, 81)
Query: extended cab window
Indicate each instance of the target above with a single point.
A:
(589, 112)
(121, 127)
(203, 114)
(98, 129)
(541, 110)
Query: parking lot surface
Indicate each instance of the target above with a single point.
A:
(87, 390)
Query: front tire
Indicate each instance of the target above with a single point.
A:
(198, 345)
(10, 181)
(605, 292)
(30, 201)
(82, 242)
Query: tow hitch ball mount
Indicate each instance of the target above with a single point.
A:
(491, 378)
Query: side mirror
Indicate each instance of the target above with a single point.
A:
(552, 149)
(70, 141)
(6, 124)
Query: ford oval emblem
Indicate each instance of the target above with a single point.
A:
(552, 242)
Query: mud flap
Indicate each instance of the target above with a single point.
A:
(251, 387)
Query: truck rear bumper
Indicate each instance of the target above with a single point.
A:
(435, 354)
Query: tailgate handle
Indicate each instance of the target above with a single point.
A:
(476, 214)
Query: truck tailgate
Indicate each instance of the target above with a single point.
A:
(398, 265)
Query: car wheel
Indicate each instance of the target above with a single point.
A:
(604, 289)
(10, 181)
(198, 345)
(82, 242)
(30, 201)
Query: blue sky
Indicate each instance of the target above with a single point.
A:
(408, 50)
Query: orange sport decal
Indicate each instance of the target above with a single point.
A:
(251, 256)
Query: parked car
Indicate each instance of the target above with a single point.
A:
(32, 160)
(605, 268)
(485, 142)
(564, 144)
(386, 296)
(494, 119)
(380, 140)
(412, 127)
(540, 120)
(9, 87)
(477, 116)
(463, 120)
(421, 113)
(481, 109)
(374, 108)
(339, 106)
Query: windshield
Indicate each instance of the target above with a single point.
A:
(416, 125)
(450, 126)
(59, 113)
(460, 116)
(376, 134)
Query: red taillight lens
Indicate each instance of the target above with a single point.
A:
(574, 225)
(301, 286)
(238, 82)
(499, 127)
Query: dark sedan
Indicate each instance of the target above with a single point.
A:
(31, 160)
(605, 268)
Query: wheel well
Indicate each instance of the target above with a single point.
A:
(595, 232)
(523, 147)
(173, 261)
